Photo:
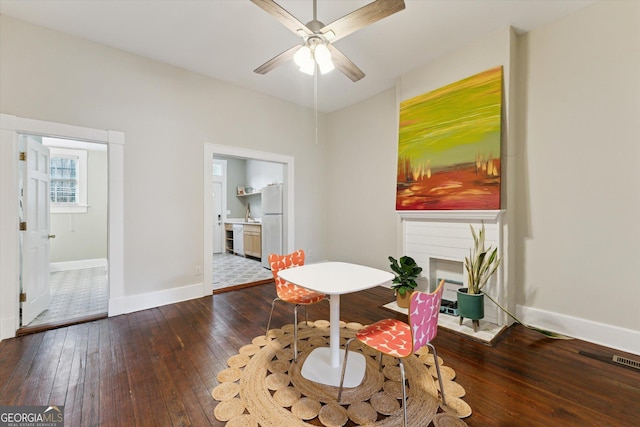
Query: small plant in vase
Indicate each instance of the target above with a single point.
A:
(406, 271)
(481, 264)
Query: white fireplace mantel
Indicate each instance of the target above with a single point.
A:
(440, 240)
(458, 215)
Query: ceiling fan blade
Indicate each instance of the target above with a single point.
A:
(362, 17)
(277, 60)
(344, 64)
(284, 17)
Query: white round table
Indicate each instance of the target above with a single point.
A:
(323, 365)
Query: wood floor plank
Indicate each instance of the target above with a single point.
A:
(160, 351)
(17, 356)
(198, 350)
(65, 365)
(91, 389)
(185, 376)
(39, 379)
(149, 407)
(158, 367)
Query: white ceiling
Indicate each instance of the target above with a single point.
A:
(228, 39)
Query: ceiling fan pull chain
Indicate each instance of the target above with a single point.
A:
(315, 98)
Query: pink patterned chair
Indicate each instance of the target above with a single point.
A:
(288, 292)
(398, 339)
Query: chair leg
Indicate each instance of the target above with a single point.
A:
(435, 356)
(404, 392)
(273, 303)
(295, 333)
(344, 366)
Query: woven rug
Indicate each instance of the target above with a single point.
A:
(263, 387)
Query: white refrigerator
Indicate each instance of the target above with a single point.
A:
(271, 222)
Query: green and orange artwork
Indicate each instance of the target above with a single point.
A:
(449, 146)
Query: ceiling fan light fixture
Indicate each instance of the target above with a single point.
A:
(303, 56)
(304, 59)
(323, 58)
(316, 33)
(308, 68)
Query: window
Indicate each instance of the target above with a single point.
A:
(68, 190)
(64, 180)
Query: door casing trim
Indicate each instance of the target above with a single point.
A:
(210, 150)
(10, 126)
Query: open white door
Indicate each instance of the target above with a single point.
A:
(218, 227)
(219, 171)
(35, 217)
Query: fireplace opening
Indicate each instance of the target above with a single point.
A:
(453, 274)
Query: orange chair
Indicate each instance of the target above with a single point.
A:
(398, 339)
(288, 292)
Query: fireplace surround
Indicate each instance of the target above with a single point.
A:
(439, 241)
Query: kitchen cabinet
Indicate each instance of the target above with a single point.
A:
(252, 240)
(228, 237)
(251, 244)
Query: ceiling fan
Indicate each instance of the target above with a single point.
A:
(317, 38)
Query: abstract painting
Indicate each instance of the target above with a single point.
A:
(449, 146)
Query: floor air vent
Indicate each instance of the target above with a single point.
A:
(626, 362)
(613, 359)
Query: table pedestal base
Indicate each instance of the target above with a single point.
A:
(318, 367)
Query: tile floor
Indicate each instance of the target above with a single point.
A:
(74, 294)
(84, 292)
(231, 270)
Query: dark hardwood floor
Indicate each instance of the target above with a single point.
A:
(158, 367)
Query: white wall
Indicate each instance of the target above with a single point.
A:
(236, 172)
(361, 209)
(578, 215)
(572, 191)
(83, 236)
(167, 115)
(260, 174)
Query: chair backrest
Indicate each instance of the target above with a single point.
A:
(282, 262)
(424, 309)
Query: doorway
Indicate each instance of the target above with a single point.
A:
(10, 129)
(70, 274)
(240, 234)
(212, 151)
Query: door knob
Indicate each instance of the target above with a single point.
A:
(51, 236)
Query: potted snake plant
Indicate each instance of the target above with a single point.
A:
(481, 264)
(406, 271)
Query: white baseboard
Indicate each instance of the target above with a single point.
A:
(622, 339)
(77, 265)
(7, 328)
(132, 303)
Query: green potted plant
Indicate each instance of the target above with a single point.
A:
(406, 271)
(481, 264)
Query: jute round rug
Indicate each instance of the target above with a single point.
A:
(263, 387)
